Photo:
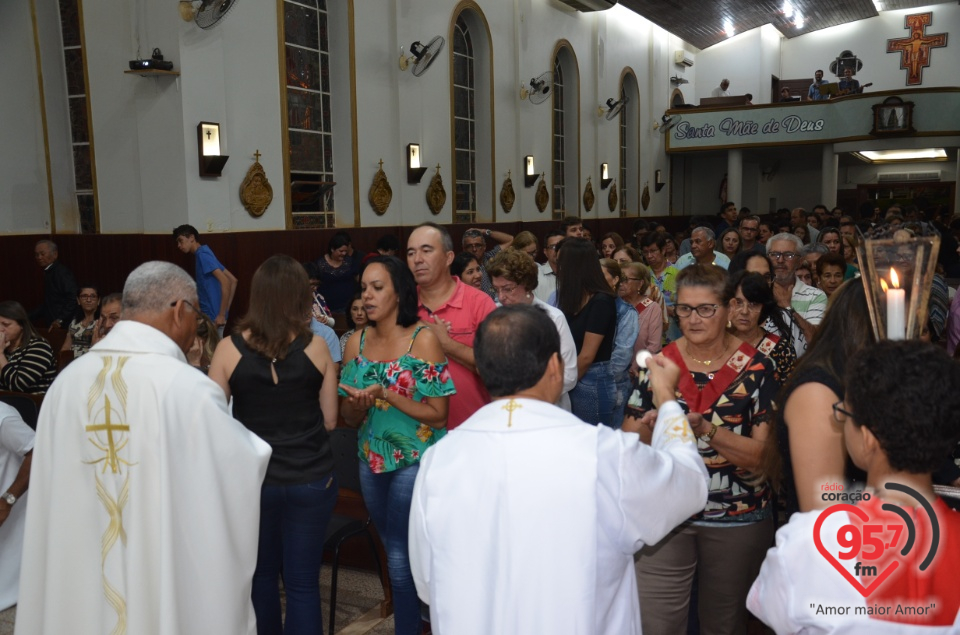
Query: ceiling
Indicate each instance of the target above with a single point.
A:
(701, 22)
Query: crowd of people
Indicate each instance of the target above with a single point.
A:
(756, 325)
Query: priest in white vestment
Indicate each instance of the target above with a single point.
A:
(525, 520)
(16, 445)
(144, 509)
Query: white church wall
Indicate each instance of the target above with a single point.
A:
(230, 76)
(739, 59)
(867, 39)
(770, 45)
(144, 129)
(24, 200)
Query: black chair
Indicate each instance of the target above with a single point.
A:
(343, 442)
(26, 404)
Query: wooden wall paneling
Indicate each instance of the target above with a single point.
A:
(107, 259)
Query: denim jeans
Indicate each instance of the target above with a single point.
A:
(387, 497)
(594, 398)
(293, 525)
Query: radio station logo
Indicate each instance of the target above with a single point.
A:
(877, 547)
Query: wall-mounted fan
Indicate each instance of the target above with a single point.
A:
(613, 107)
(667, 122)
(422, 55)
(208, 13)
(539, 88)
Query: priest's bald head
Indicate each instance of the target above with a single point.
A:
(164, 296)
(517, 352)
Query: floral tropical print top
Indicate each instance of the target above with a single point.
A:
(389, 439)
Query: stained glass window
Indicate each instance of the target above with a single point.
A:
(77, 98)
(464, 124)
(309, 117)
(559, 154)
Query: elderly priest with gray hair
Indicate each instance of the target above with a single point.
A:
(143, 516)
(525, 519)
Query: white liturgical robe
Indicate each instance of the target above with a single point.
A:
(16, 440)
(525, 519)
(144, 491)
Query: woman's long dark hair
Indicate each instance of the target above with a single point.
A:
(280, 302)
(579, 275)
(845, 330)
(755, 288)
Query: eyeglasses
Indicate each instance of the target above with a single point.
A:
(783, 255)
(553, 247)
(740, 305)
(88, 296)
(839, 414)
(192, 308)
(703, 310)
(505, 290)
(633, 279)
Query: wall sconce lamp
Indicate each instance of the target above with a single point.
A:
(605, 176)
(414, 170)
(658, 182)
(530, 175)
(208, 149)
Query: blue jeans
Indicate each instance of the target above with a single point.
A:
(293, 525)
(594, 398)
(387, 497)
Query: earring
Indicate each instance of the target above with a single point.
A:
(729, 324)
(529, 295)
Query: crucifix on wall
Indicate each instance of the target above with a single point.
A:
(915, 49)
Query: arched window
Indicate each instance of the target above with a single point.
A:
(308, 114)
(471, 89)
(629, 178)
(566, 133)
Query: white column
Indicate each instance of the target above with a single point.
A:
(828, 178)
(735, 176)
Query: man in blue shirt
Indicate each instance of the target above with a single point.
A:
(813, 94)
(215, 285)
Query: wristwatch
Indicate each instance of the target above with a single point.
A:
(10, 498)
(707, 437)
(487, 232)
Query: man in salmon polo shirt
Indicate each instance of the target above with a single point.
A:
(453, 310)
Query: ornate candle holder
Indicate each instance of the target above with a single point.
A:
(897, 266)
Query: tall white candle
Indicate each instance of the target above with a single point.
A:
(896, 309)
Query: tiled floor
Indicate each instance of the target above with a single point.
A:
(358, 605)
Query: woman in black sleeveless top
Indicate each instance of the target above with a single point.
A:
(284, 387)
(806, 448)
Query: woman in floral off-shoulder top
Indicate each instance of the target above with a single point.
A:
(397, 386)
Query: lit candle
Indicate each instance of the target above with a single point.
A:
(896, 308)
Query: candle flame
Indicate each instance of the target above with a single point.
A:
(883, 285)
(894, 279)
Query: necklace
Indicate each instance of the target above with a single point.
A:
(706, 362)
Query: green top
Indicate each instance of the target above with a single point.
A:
(389, 439)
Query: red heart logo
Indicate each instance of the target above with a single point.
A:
(856, 511)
